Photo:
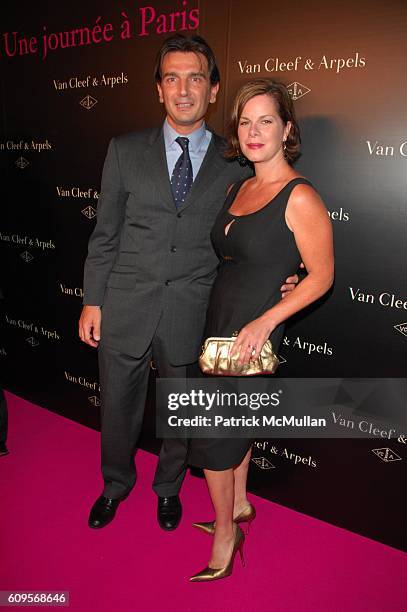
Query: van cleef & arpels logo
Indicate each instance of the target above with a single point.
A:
(275, 451)
(23, 145)
(263, 463)
(22, 163)
(297, 90)
(88, 102)
(28, 241)
(311, 348)
(94, 400)
(401, 328)
(88, 81)
(83, 382)
(386, 454)
(33, 342)
(26, 256)
(89, 212)
(339, 215)
(71, 291)
(380, 149)
(31, 146)
(386, 299)
(77, 192)
(293, 64)
(32, 327)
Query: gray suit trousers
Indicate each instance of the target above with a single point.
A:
(124, 381)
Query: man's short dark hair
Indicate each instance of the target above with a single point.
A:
(192, 44)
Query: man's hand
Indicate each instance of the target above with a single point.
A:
(89, 325)
(290, 283)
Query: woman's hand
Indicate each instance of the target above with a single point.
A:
(251, 339)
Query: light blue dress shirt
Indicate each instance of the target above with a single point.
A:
(198, 145)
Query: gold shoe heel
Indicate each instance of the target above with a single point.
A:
(208, 528)
(242, 556)
(246, 516)
(209, 574)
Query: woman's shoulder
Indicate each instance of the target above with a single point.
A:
(304, 197)
(301, 187)
(300, 179)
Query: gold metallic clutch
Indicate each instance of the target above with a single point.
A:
(215, 359)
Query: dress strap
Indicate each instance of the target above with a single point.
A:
(287, 190)
(300, 180)
(232, 193)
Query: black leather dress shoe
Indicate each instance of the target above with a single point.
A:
(3, 449)
(169, 512)
(103, 512)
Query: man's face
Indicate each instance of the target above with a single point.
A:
(186, 90)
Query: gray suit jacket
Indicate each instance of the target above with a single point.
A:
(147, 259)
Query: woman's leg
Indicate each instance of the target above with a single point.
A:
(240, 478)
(221, 490)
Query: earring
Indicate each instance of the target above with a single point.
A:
(284, 148)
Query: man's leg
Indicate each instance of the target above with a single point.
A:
(124, 382)
(171, 466)
(172, 463)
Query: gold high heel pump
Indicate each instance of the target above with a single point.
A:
(209, 573)
(246, 516)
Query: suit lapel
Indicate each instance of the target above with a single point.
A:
(157, 168)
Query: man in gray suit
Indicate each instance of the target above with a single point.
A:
(150, 267)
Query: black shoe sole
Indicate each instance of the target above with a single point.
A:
(169, 528)
(99, 526)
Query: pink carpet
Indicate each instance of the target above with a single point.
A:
(293, 562)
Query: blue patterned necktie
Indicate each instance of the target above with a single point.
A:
(182, 178)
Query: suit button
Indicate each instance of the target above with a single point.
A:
(173, 249)
(179, 215)
(167, 283)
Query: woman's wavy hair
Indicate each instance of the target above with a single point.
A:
(279, 93)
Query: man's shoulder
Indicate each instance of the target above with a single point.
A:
(218, 141)
(140, 138)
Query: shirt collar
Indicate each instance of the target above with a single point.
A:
(195, 138)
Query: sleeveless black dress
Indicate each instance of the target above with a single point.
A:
(256, 256)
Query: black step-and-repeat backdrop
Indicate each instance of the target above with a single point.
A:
(74, 74)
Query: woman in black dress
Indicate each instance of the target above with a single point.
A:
(268, 225)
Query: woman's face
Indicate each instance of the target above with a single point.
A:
(261, 131)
